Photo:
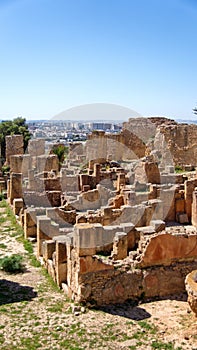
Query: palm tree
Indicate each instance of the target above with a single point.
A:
(61, 152)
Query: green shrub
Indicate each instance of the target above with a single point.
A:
(178, 169)
(5, 169)
(12, 264)
(1, 196)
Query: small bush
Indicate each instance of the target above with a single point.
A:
(5, 169)
(178, 169)
(12, 264)
(1, 196)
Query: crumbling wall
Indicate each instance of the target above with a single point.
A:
(14, 146)
(181, 140)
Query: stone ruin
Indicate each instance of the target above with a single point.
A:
(116, 222)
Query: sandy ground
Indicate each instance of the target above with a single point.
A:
(36, 315)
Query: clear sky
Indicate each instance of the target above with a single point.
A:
(57, 54)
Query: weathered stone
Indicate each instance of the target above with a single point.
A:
(120, 246)
(194, 208)
(165, 249)
(18, 204)
(48, 248)
(92, 264)
(191, 288)
(47, 163)
(15, 186)
(36, 147)
(14, 146)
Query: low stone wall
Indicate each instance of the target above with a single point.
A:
(110, 286)
(191, 288)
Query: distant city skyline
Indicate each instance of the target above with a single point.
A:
(57, 56)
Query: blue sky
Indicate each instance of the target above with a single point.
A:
(55, 55)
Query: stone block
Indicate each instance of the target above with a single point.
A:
(43, 229)
(54, 198)
(92, 264)
(180, 205)
(36, 147)
(61, 251)
(18, 204)
(15, 186)
(158, 225)
(87, 237)
(14, 146)
(183, 218)
(47, 162)
(48, 249)
(191, 288)
(61, 273)
(165, 249)
(194, 208)
(51, 269)
(120, 246)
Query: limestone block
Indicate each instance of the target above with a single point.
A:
(158, 225)
(120, 246)
(86, 188)
(146, 230)
(191, 288)
(132, 214)
(20, 164)
(30, 220)
(161, 282)
(165, 248)
(53, 230)
(132, 234)
(109, 233)
(183, 218)
(194, 208)
(189, 188)
(43, 228)
(36, 147)
(51, 269)
(18, 204)
(54, 198)
(16, 163)
(15, 186)
(61, 251)
(121, 181)
(180, 205)
(52, 184)
(61, 273)
(130, 197)
(63, 217)
(167, 197)
(87, 237)
(48, 249)
(69, 183)
(152, 172)
(96, 173)
(47, 163)
(92, 264)
(14, 146)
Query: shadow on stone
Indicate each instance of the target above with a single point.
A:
(12, 292)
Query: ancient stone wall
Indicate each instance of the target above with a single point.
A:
(14, 146)
(36, 147)
(181, 140)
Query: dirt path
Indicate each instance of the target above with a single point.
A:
(34, 314)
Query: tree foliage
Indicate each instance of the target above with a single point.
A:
(61, 152)
(16, 126)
